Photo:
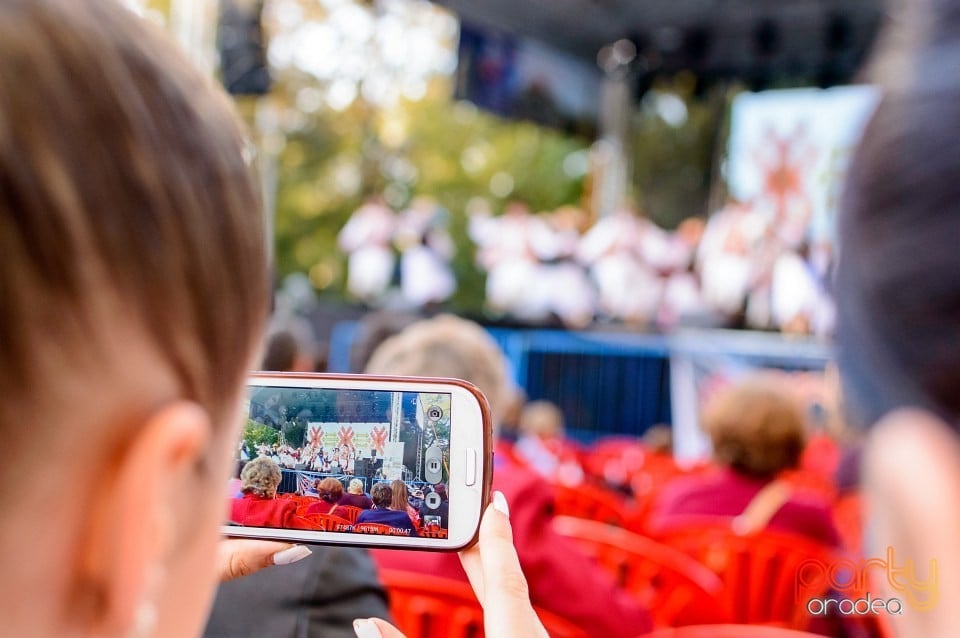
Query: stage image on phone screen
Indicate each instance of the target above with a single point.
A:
(349, 461)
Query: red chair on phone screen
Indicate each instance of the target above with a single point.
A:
(426, 606)
(348, 512)
(673, 586)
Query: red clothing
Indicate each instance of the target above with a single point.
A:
(356, 500)
(320, 507)
(726, 493)
(562, 580)
(256, 511)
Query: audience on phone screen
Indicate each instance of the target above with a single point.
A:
(355, 496)
(561, 579)
(382, 514)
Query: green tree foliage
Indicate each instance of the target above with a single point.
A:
(256, 434)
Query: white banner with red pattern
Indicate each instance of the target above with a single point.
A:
(358, 436)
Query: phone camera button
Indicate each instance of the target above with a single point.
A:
(470, 467)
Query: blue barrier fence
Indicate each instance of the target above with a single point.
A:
(613, 382)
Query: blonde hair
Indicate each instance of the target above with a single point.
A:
(447, 346)
(542, 419)
(756, 427)
(126, 208)
(261, 476)
(355, 486)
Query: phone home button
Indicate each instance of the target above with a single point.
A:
(470, 467)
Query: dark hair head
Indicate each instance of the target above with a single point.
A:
(281, 352)
(897, 283)
(382, 495)
(441, 489)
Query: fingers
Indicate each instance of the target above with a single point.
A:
(242, 557)
(494, 563)
(375, 628)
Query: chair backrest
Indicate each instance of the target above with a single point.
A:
(729, 631)
(673, 586)
(425, 606)
(758, 570)
(328, 522)
(348, 512)
(591, 503)
(433, 533)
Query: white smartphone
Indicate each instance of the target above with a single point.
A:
(359, 460)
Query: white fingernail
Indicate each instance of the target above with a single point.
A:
(291, 555)
(500, 504)
(366, 629)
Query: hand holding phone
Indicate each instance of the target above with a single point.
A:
(355, 460)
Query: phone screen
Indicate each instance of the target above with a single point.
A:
(340, 460)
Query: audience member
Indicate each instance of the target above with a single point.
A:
(330, 491)
(259, 506)
(541, 444)
(355, 496)
(758, 431)
(382, 495)
(401, 502)
(561, 579)
(898, 299)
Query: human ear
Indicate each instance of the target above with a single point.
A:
(129, 530)
(912, 481)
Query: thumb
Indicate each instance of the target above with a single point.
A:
(506, 604)
(375, 628)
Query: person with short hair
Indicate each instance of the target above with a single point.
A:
(259, 506)
(758, 431)
(355, 496)
(330, 490)
(382, 496)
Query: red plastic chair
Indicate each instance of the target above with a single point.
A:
(433, 533)
(348, 512)
(759, 571)
(848, 517)
(324, 523)
(425, 606)
(729, 631)
(674, 587)
(592, 503)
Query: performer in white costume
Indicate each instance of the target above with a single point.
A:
(629, 289)
(426, 250)
(366, 240)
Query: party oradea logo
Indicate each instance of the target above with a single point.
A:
(843, 586)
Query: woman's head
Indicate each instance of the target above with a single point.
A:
(382, 495)
(447, 346)
(399, 501)
(260, 477)
(330, 490)
(134, 287)
(541, 419)
(355, 487)
(756, 428)
(898, 294)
